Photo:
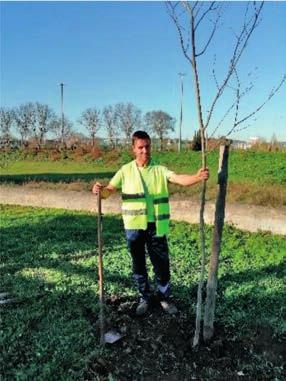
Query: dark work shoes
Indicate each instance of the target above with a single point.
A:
(168, 307)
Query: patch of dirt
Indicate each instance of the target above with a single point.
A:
(246, 217)
(159, 347)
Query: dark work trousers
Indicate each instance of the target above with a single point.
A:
(141, 241)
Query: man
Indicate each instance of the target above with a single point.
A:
(145, 211)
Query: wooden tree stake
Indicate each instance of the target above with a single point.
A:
(208, 330)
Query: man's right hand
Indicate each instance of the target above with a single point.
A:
(97, 187)
(104, 191)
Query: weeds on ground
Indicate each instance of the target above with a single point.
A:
(49, 268)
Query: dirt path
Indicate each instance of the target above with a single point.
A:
(246, 217)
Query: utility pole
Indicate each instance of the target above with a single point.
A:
(181, 75)
(62, 112)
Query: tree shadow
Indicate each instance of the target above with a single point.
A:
(63, 243)
(53, 320)
(239, 277)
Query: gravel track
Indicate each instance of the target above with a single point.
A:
(246, 217)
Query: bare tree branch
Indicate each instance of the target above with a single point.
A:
(128, 118)
(209, 9)
(159, 122)
(213, 73)
(210, 38)
(236, 103)
(25, 118)
(197, 11)
(237, 97)
(272, 93)
(231, 107)
(91, 120)
(6, 122)
(237, 53)
(172, 14)
(110, 123)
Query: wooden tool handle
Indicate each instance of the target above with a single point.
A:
(100, 271)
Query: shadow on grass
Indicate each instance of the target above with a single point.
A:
(279, 270)
(55, 177)
(62, 242)
(50, 268)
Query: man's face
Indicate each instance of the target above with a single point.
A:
(142, 150)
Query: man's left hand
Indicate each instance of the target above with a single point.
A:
(203, 173)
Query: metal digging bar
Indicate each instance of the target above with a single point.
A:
(111, 336)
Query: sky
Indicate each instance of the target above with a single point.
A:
(110, 52)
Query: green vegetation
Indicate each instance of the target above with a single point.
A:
(49, 268)
(254, 177)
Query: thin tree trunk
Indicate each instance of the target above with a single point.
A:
(203, 193)
(208, 330)
(22, 141)
(100, 273)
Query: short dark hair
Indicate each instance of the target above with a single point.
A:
(140, 135)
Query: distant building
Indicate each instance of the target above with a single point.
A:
(254, 140)
(239, 144)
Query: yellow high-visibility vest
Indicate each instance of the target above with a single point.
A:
(134, 208)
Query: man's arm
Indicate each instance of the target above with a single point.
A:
(188, 180)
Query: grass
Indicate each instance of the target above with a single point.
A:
(257, 178)
(49, 266)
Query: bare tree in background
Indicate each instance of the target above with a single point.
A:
(44, 122)
(25, 119)
(61, 130)
(159, 123)
(110, 118)
(6, 122)
(91, 120)
(274, 145)
(128, 119)
(190, 19)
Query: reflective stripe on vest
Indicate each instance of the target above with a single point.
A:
(161, 200)
(137, 212)
(134, 209)
(128, 196)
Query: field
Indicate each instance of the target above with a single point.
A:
(50, 331)
(256, 178)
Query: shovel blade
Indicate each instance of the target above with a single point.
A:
(112, 336)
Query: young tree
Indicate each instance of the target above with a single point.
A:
(44, 120)
(160, 123)
(128, 118)
(110, 124)
(25, 118)
(6, 121)
(190, 19)
(61, 129)
(91, 120)
(274, 145)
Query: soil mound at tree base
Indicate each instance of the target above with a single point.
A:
(159, 347)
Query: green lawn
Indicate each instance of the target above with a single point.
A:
(49, 266)
(244, 166)
(257, 178)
